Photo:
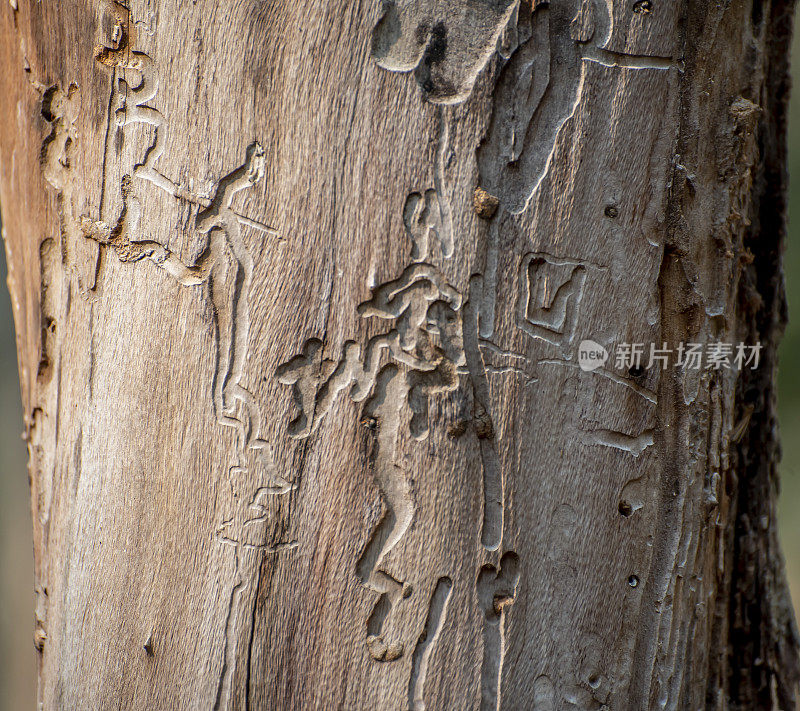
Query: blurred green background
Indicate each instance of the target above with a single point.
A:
(789, 373)
(17, 656)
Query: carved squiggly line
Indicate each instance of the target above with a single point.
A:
(409, 300)
(440, 183)
(554, 323)
(60, 109)
(426, 643)
(229, 656)
(234, 345)
(493, 494)
(245, 527)
(646, 393)
(222, 229)
(424, 308)
(266, 547)
(539, 89)
(497, 588)
(391, 388)
(234, 405)
(431, 213)
(635, 444)
(504, 369)
(489, 283)
(445, 44)
(129, 106)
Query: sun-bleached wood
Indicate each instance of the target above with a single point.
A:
(299, 289)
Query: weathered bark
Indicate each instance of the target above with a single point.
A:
(298, 290)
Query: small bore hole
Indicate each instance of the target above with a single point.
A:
(636, 371)
(370, 423)
(611, 211)
(625, 508)
(633, 581)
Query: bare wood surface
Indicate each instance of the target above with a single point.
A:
(299, 289)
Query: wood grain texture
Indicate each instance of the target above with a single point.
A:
(299, 289)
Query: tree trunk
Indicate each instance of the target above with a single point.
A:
(300, 290)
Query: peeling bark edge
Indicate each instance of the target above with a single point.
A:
(762, 658)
